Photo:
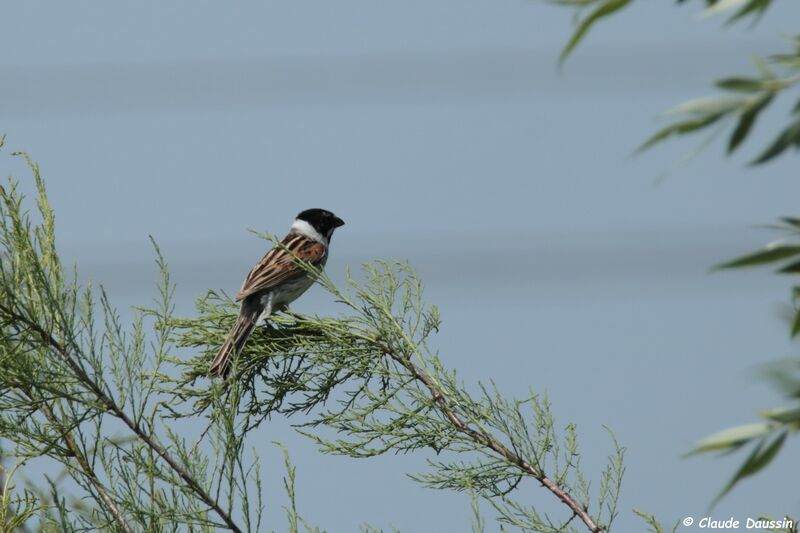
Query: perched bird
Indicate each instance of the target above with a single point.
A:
(277, 280)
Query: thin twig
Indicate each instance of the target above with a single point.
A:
(85, 467)
(489, 441)
(114, 409)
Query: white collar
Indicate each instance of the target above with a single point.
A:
(304, 228)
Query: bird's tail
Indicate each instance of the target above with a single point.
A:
(241, 330)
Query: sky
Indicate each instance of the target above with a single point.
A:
(443, 133)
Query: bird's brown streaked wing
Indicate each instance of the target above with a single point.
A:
(280, 264)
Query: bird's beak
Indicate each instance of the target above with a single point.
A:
(337, 222)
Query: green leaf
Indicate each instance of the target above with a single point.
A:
(746, 122)
(789, 61)
(769, 254)
(706, 110)
(755, 8)
(784, 415)
(788, 137)
(679, 128)
(709, 105)
(758, 459)
(792, 221)
(746, 85)
(732, 437)
(720, 6)
(605, 9)
(796, 324)
(791, 268)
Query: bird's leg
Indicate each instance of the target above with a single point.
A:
(279, 309)
(285, 310)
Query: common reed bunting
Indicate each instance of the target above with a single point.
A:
(277, 280)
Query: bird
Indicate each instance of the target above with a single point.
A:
(278, 279)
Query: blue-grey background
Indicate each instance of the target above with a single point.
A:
(441, 132)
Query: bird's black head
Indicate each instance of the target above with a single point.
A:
(321, 220)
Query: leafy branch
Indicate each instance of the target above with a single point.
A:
(589, 12)
(101, 400)
(653, 525)
(767, 438)
(15, 510)
(746, 98)
(752, 96)
(372, 377)
(56, 396)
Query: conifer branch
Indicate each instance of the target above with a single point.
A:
(369, 375)
(112, 407)
(489, 441)
(83, 463)
(392, 394)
